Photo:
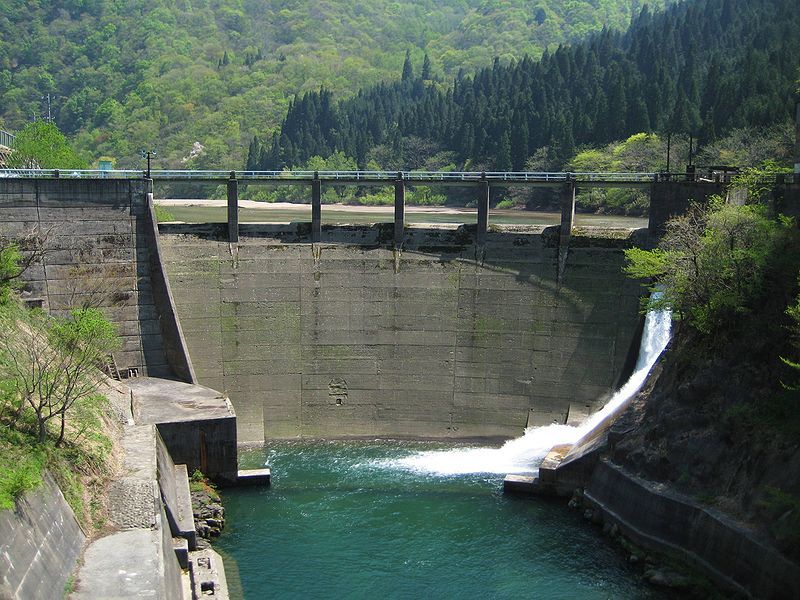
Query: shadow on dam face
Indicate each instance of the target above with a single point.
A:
(443, 338)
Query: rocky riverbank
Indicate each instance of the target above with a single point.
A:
(209, 514)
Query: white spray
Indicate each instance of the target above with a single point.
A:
(524, 454)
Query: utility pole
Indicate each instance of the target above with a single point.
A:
(669, 144)
(49, 113)
(148, 154)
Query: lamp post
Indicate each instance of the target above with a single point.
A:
(148, 154)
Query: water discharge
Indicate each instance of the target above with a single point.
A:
(524, 454)
(366, 519)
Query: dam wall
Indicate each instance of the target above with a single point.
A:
(92, 251)
(444, 338)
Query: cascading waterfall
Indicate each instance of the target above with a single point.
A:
(524, 454)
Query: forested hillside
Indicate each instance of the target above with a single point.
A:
(197, 79)
(705, 67)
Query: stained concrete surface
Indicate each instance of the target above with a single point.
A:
(442, 339)
(95, 253)
(122, 565)
(40, 543)
(197, 424)
(163, 401)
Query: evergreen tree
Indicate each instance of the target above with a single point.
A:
(426, 68)
(408, 71)
(503, 158)
(519, 143)
(253, 155)
(677, 71)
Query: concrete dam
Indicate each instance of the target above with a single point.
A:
(451, 335)
(351, 331)
(442, 339)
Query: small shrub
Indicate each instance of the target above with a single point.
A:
(163, 215)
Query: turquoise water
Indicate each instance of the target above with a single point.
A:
(342, 520)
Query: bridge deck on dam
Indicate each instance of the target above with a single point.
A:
(442, 339)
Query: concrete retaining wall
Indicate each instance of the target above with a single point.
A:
(96, 252)
(175, 350)
(40, 543)
(205, 444)
(668, 199)
(446, 339)
(676, 525)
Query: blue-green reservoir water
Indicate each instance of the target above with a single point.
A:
(385, 519)
(350, 519)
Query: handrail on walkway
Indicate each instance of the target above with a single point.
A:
(497, 178)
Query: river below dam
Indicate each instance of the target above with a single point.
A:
(399, 519)
(357, 519)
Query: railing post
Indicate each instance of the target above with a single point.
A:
(567, 223)
(483, 210)
(233, 209)
(399, 210)
(316, 209)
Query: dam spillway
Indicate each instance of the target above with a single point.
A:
(444, 338)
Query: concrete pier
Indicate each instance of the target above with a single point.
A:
(567, 223)
(197, 424)
(233, 209)
(399, 210)
(483, 212)
(316, 210)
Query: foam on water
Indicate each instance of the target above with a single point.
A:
(524, 454)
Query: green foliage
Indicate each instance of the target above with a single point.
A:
(21, 464)
(41, 145)
(200, 483)
(759, 181)
(379, 198)
(641, 152)
(163, 215)
(749, 146)
(127, 75)
(423, 195)
(10, 259)
(72, 455)
(717, 265)
(665, 74)
(792, 381)
(52, 362)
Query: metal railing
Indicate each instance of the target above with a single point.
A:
(372, 177)
(6, 139)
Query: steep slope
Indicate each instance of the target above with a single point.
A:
(123, 76)
(702, 67)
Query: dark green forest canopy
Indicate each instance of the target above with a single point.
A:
(199, 78)
(703, 67)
